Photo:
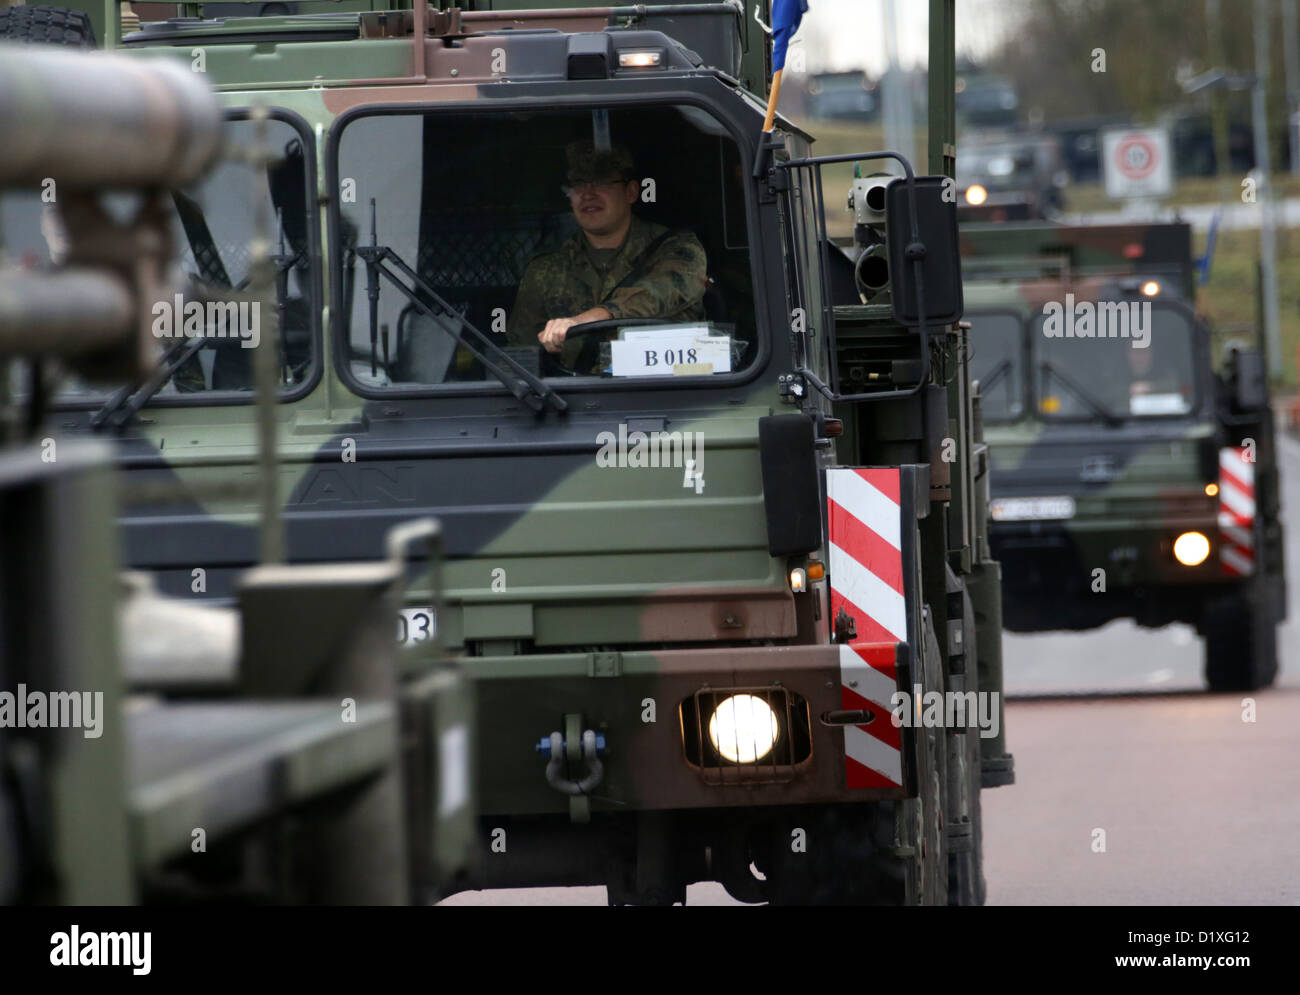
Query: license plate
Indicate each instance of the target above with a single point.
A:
(1031, 509)
(416, 626)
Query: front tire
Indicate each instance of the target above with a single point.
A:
(1240, 643)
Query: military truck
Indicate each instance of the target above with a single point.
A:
(1131, 478)
(155, 749)
(1010, 177)
(690, 571)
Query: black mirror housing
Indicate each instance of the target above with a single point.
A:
(936, 248)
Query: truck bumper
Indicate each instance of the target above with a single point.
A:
(836, 740)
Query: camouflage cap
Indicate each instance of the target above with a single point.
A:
(586, 163)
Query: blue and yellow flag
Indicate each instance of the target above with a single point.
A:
(786, 15)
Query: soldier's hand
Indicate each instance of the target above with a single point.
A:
(552, 336)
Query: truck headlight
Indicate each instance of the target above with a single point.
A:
(743, 728)
(1191, 549)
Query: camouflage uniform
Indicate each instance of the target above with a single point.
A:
(569, 281)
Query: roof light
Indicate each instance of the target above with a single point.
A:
(640, 58)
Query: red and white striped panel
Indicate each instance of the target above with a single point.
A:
(873, 753)
(1237, 511)
(865, 563)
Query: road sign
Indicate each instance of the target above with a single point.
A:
(1137, 162)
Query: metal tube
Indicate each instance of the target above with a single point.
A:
(266, 364)
(90, 118)
(63, 314)
(1267, 235)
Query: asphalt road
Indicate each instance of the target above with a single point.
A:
(1112, 732)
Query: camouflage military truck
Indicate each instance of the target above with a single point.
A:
(692, 559)
(153, 748)
(1130, 478)
(1013, 177)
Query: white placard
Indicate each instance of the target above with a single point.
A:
(416, 626)
(1158, 404)
(1137, 162)
(676, 351)
(1031, 509)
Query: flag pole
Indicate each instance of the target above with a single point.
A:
(771, 100)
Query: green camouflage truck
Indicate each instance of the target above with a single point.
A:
(718, 562)
(1131, 479)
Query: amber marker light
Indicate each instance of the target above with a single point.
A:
(1211, 490)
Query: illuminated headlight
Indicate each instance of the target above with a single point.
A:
(976, 195)
(643, 59)
(798, 580)
(743, 728)
(1191, 549)
(1151, 288)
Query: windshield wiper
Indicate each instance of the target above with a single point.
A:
(1000, 370)
(1097, 408)
(123, 404)
(528, 387)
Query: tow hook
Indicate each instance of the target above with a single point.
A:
(571, 750)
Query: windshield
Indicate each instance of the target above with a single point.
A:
(476, 247)
(996, 361)
(1114, 360)
(998, 166)
(213, 226)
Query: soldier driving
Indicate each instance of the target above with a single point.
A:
(615, 266)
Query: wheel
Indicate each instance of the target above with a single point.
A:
(1240, 643)
(873, 853)
(47, 26)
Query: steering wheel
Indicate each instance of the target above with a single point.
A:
(588, 354)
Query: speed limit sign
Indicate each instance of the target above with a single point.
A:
(1137, 162)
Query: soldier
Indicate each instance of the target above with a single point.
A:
(616, 266)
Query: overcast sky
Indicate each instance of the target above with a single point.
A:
(850, 34)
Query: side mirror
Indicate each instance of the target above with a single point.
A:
(1246, 380)
(935, 247)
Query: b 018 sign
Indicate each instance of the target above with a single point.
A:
(1137, 162)
(670, 352)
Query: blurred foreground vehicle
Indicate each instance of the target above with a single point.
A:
(152, 748)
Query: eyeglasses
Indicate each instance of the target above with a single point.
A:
(572, 189)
